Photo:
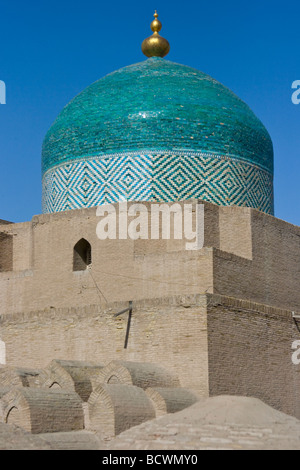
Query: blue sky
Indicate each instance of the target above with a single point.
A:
(52, 50)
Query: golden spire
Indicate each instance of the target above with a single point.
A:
(155, 45)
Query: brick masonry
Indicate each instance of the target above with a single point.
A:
(91, 334)
(215, 344)
(220, 318)
(247, 254)
(250, 353)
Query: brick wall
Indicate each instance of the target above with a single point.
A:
(215, 344)
(6, 252)
(267, 273)
(170, 332)
(250, 353)
(246, 254)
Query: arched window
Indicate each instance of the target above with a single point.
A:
(82, 256)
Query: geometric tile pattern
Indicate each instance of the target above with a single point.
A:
(157, 177)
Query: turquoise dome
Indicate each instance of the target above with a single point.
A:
(155, 107)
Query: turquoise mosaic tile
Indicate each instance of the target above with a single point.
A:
(157, 131)
(159, 177)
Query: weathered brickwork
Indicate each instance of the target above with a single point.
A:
(250, 353)
(214, 344)
(258, 260)
(169, 332)
(46, 408)
(122, 270)
(39, 411)
(171, 400)
(113, 408)
(219, 319)
(246, 254)
(6, 252)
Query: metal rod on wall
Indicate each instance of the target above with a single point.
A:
(128, 309)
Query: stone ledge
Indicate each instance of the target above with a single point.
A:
(180, 301)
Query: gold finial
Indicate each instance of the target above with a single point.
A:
(155, 45)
